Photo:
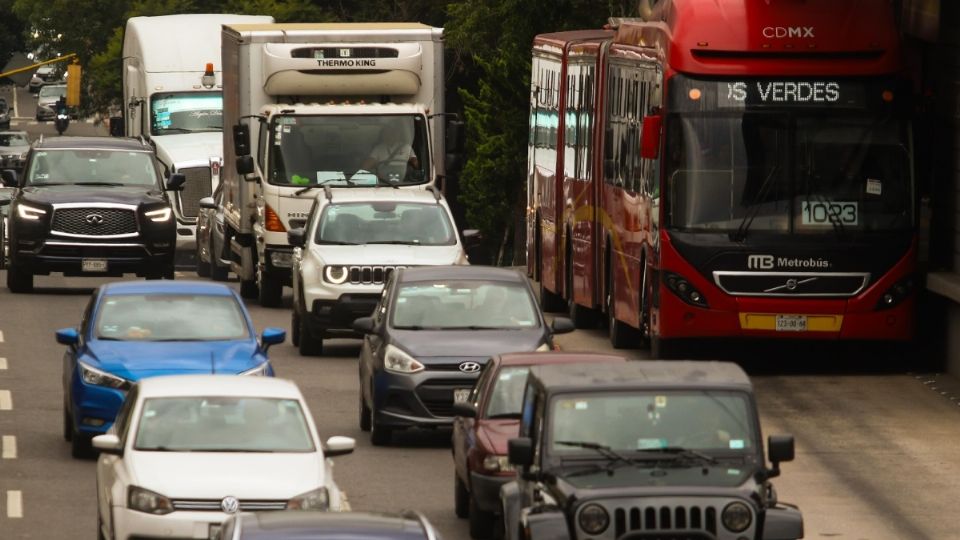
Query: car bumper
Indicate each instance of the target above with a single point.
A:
(485, 490)
(68, 256)
(130, 524)
(94, 408)
(423, 399)
(329, 318)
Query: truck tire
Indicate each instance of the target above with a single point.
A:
(219, 273)
(19, 281)
(248, 289)
(310, 345)
(271, 290)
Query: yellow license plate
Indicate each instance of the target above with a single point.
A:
(782, 322)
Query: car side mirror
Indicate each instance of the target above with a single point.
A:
(562, 325)
(241, 140)
(68, 336)
(272, 336)
(108, 444)
(208, 203)
(117, 127)
(297, 237)
(363, 325)
(650, 136)
(472, 238)
(464, 409)
(245, 166)
(520, 451)
(338, 446)
(176, 182)
(779, 448)
(9, 178)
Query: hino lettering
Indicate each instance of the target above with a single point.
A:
(781, 32)
(347, 63)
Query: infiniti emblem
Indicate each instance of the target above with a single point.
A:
(230, 504)
(469, 367)
(94, 219)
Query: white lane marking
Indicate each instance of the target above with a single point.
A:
(14, 504)
(9, 445)
(1, 336)
(15, 101)
(6, 400)
(3, 363)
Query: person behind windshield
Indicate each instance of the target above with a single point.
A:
(391, 150)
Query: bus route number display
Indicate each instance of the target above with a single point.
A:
(769, 93)
(828, 213)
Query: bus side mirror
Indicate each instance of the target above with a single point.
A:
(116, 126)
(241, 140)
(650, 137)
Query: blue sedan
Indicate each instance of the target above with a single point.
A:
(136, 329)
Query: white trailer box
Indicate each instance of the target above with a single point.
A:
(168, 101)
(322, 104)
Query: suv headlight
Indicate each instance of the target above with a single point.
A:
(335, 274)
(594, 519)
(29, 212)
(144, 500)
(160, 215)
(318, 499)
(398, 361)
(737, 517)
(101, 378)
(259, 371)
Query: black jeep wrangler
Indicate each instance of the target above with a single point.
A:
(90, 206)
(644, 450)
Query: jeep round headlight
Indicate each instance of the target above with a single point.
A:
(335, 274)
(737, 517)
(594, 519)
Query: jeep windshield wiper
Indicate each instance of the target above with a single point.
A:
(679, 452)
(99, 184)
(337, 243)
(397, 242)
(603, 450)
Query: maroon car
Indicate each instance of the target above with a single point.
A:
(486, 422)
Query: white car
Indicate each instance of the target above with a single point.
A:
(188, 451)
(353, 240)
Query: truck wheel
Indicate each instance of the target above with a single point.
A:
(310, 345)
(271, 291)
(481, 523)
(217, 272)
(461, 498)
(19, 281)
(248, 289)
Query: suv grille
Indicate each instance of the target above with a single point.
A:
(95, 222)
(196, 187)
(791, 283)
(685, 522)
(371, 274)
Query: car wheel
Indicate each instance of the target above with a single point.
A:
(481, 523)
(19, 281)
(365, 414)
(67, 425)
(81, 446)
(248, 289)
(271, 290)
(380, 435)
(217, 272)
(309, 345)
(203, 268)
(461, 498)
(295, 328)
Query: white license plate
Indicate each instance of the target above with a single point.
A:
(93, 265)
(214, 531)
(461, 395)
(791, 323)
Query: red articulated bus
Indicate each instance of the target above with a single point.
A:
(726, 169)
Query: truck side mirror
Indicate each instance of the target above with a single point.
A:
(520, 451)
(117, 127)
(244, 165)
(297, 237)
(241, 140)
(455, 137)
(650, 137)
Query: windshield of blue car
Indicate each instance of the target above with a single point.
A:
(650, 420)
(506, 397)
(170, 317)
(464, 304)
(93, 166)
(386, 222)
(222, 424)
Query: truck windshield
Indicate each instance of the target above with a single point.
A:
(352, 150)
(816, 157)
(103, 167)
(186, 112)
(693, 419)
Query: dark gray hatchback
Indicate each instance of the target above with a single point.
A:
(432, 332)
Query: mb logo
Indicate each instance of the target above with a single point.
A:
(760, 262)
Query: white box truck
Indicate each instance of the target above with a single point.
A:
(172, 97)
(308, 105)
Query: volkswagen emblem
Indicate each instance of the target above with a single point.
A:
(469, 367)
(230, 504)
(791, 284)
(94, 219)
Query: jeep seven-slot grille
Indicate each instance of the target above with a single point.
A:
(195, 188)
(94, 221)
(371, 274)
(663, 522)
(208, 505)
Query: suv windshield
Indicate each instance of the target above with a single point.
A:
(186, 112)
(222, 424)
(348, 150)
(53, 91)
(455, 305)
(385, 222)
(696, 420)
(94, 166)
(164, 317)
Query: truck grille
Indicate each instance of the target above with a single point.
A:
(196, 187)
(371, 274)
(792, 284)
(676, 521)
(94, 222)
(208, 505)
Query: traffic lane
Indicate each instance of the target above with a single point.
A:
(875, 450)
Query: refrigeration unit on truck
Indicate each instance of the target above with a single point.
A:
(308, 105)
(172, 97)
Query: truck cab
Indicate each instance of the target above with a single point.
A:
(644, 449)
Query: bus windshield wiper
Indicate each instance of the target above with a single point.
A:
(754, 208)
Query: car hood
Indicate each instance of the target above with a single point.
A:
(134, 360)
(215, 475)
(134, 195)
(13, 150)
(185, 147)
(721, 476)
(387, 255)
(496, 432)
(467, 343)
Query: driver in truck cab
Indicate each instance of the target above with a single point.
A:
(392, 154)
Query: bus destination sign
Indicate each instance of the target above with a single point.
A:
(772, 93)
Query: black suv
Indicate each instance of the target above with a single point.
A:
(644, 450)
(89, 206)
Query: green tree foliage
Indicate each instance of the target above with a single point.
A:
(12, 32)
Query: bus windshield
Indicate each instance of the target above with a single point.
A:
(348, 150)
(820, 159)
